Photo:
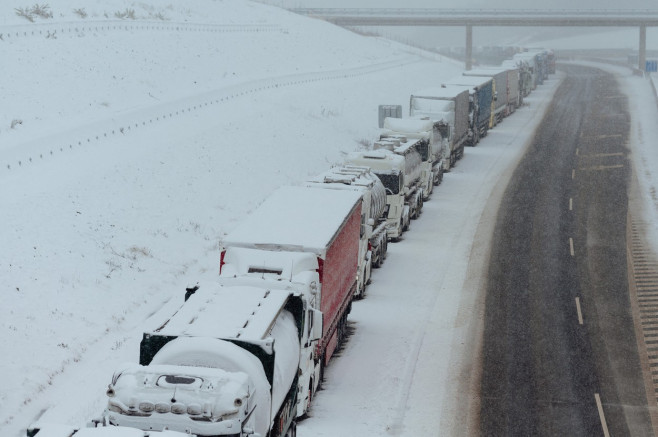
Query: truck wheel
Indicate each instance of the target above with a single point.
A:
(427, 193)
(362, 290)
(292, 430)
(377, 259)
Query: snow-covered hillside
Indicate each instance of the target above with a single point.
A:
(129, 147)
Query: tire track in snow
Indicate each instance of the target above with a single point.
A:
(22, 154)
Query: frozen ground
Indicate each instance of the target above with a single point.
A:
(129, 147)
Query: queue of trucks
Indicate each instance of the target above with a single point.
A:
(244, 355)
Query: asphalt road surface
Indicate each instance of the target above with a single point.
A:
(560, 354)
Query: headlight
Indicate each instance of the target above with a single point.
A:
(146, 406)
(162, 407)
(194, 409)
(178, 408)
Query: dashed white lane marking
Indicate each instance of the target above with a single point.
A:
(580, 313)
(599, 406)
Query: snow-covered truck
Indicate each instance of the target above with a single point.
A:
(449, 106)
(481, 105)
(520, 79)
(58, 430)
(503, 105)
(428, 143)
(514, 98)
(311, 231)
(525, 76)
(399, 168)
(533, 62)
(226, 363)
(373, 241)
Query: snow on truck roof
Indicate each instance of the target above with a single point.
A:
(227, 312)
(380, 160)
(407, 124)
(296, 218)
(359, 176)
(399, 144)
(442, 92)
(490, 71)
(472, 81)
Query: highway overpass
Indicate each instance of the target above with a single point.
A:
(468, 18)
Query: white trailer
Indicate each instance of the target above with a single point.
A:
(373, 241)
(514, 98)
(449, 106)
(428, 143)
(400, 172)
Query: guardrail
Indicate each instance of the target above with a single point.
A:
(53, 29)
(25, 153)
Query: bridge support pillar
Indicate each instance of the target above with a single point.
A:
(469, 47)
(643, 48)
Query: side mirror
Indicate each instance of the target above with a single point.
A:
(316, 331)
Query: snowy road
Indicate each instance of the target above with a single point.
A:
(559, 325)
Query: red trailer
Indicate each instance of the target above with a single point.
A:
(295, 220)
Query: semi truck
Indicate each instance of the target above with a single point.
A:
(533, 65)
(399, 169)
(373, 241)
(502, 106)
(428, 143)
(304, 231)
(226, 363)
(481, 105)
(524, 79)
(447, 105)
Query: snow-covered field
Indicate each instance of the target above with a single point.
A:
(129, 147)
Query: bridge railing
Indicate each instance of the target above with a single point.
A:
(412, 12)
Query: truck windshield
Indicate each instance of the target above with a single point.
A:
(391, 182)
